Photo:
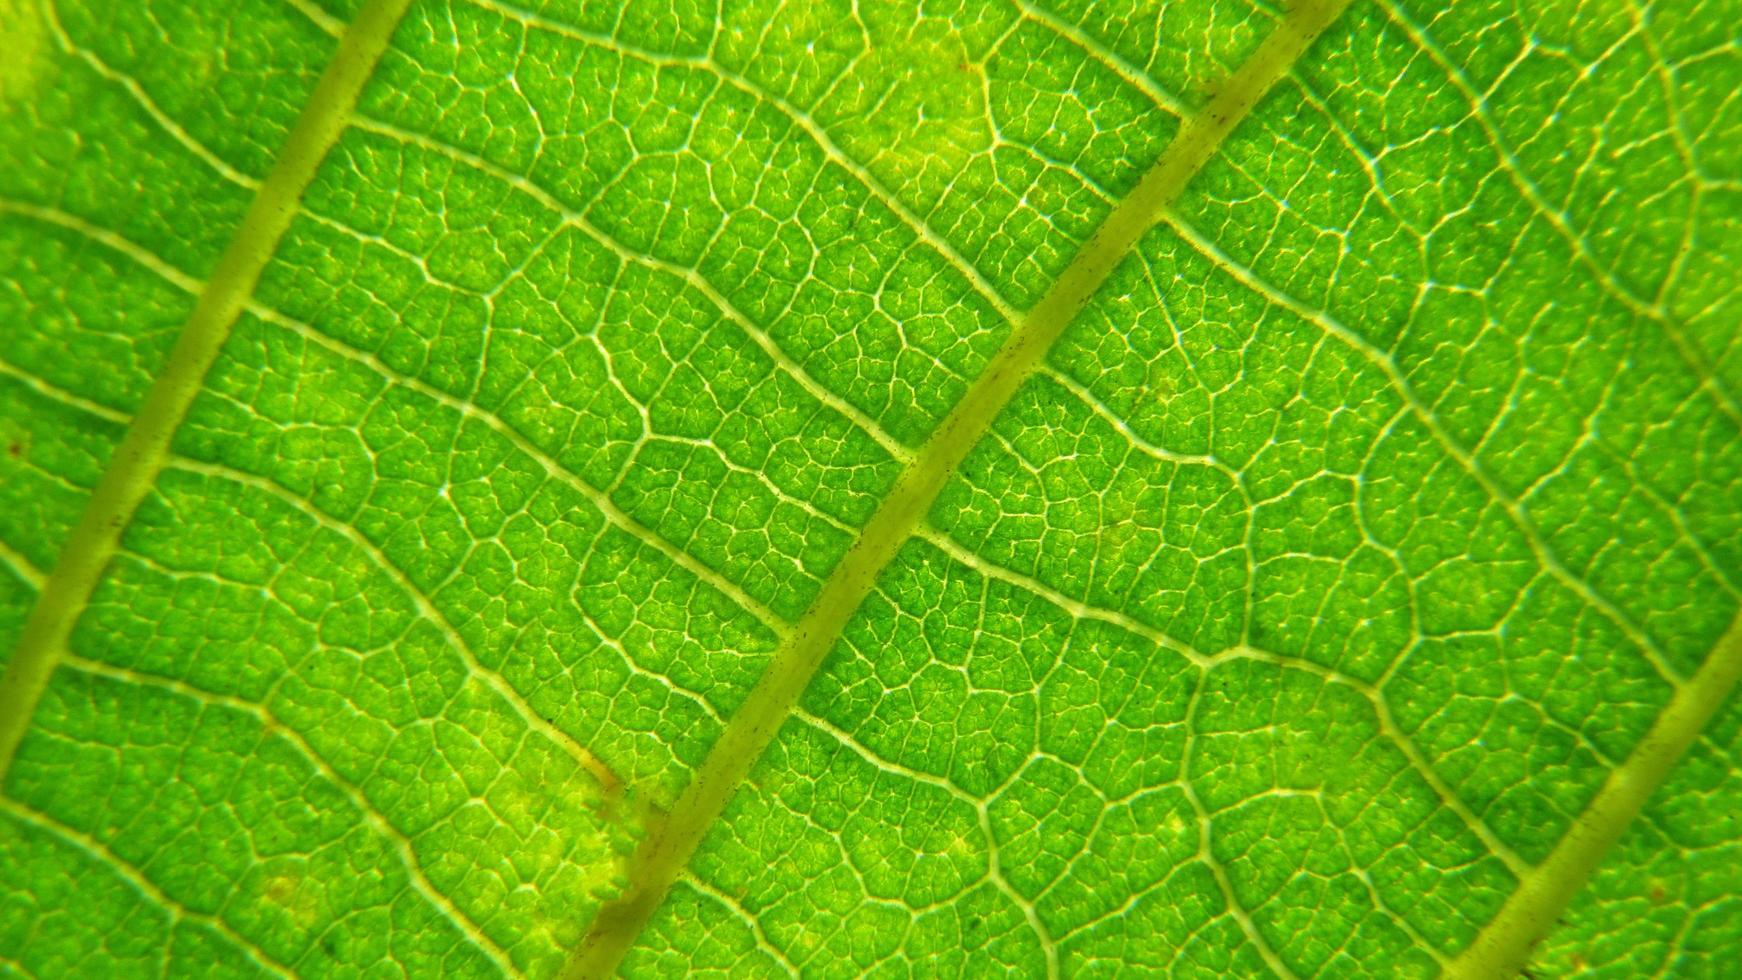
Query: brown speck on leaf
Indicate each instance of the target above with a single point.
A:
(15, 449)
(1657, 893)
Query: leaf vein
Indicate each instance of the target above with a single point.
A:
(665, 852)
(423, 603)
(374, 818)
(134, 466)
(1550, 560)
(136, 878)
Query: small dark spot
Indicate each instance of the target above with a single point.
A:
(15, 449)
(330, 945)
(1658, 894)
(975, 924)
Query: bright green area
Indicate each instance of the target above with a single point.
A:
(1362, 524)
(1666, 901)
(671, 844)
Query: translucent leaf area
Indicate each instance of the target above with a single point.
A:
(1205, 488)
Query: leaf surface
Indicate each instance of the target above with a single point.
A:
(515, 488)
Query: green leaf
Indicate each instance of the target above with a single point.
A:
(537, 487)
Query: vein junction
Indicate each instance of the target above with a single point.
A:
(144, 449)
(902, 519)
(668, 848)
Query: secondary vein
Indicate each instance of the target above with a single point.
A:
(145, 448)
(667, 848)
(1535, 907)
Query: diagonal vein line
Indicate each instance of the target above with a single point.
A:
(1076, 35)
(1373, 693)
(54, 393)
(750, 919)
(420, 600)
(1546, 555)
(1656, 310)
(143, 450)
(135, 878)
(465, 408)
(693, 277)
(1535, 907)
(371, 814)
(667, 848)
(1241, 915)
(800, 118)
(554, 468)
(21, 567)
(318, 17)
(146, 103)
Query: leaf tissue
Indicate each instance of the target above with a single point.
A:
(559, 488)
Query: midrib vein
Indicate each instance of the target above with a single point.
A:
(1534, 908)
(669, 846)
(144, 448)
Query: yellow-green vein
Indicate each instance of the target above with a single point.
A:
(145, 448)
(668, 848)
(1502, 947)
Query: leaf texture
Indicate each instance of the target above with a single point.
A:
(542, 487)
